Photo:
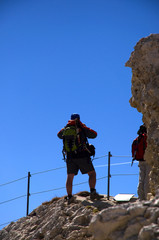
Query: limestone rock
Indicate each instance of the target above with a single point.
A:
(55, 220)
(144, 62)
(84, 219)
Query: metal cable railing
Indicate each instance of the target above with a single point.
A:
(63, 187)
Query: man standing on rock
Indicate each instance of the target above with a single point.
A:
(138, 149)
(78, 154)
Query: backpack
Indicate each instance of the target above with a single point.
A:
(138, 147)
(73, 142)
(70, 139)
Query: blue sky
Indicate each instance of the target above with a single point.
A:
(57, 58)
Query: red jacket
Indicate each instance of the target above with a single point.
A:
(138, 147)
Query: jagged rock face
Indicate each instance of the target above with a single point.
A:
(84, 219)
(51, 222)
(56, 220)
(127, 222)
(144, 62)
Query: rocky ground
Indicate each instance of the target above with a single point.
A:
(86, 219)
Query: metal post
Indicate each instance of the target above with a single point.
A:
(28, 193)
(109, 176)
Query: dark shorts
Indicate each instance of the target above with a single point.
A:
(83, 164)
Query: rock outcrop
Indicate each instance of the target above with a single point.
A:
(84, 219)
(144, 62)
(56, 220)
(131, 221)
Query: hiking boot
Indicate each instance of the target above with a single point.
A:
(94, 195)
(70, 199)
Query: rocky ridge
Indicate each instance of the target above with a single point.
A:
(84, 219)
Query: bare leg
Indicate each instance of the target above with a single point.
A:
(92, 179)
(92, 183)
(69, 182)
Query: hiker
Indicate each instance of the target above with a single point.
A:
(74, 137)
(138, 149)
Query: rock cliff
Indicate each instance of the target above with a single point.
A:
(84, 219)
(144, 62)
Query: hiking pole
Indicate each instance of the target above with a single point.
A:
(132, 161)
(109, 176)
